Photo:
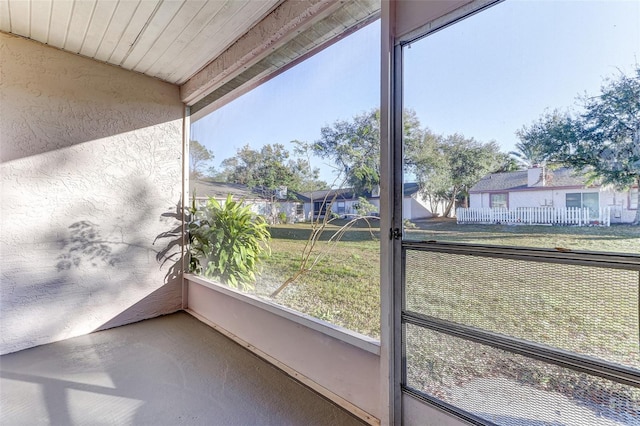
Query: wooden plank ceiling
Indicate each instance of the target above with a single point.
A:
(202, 45)
(170, 40)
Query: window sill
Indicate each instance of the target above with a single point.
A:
(358, 340)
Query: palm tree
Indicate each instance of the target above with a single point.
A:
(528, 155)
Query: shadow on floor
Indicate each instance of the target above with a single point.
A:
(171, 370)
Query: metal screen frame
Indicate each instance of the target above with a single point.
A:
(570, 360)
(402, 317)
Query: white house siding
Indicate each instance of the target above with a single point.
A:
(628, 216)
(426, 205)
(412, 209)
(90, 175)
(618, 202)
(290, 209)
(476, 201)
(540, 198)
(308, 211)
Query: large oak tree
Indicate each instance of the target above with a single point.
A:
(602, 140)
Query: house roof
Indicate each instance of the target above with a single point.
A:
(220, 190)
(410, 188)
(514, 181)
(204, 189)
(339, 194)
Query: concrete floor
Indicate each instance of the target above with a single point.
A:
(171, 370)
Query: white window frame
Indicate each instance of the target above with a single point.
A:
(634, 198)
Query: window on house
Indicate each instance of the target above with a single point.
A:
(498, 201)
(574, 200)
(633, 198)
(320, 208)
(499, 303)
(300, 130)
(590, 200)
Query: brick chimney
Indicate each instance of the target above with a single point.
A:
(535, 176)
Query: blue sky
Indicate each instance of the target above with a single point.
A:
(485, 77)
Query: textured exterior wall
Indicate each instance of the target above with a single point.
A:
(90, 177)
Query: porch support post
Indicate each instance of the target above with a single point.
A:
(390, 217)
(184, 202)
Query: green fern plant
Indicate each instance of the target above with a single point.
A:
(227, 242)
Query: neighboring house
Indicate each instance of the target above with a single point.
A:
(267, 203)
(416, 205)
(563, 187)
(346, 202)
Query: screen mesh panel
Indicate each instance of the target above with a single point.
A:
(587, 310)
(510, 389)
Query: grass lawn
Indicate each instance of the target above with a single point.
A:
(587, 310)
(344, 287)
(616, 238)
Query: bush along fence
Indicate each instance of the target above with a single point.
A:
(535, 216)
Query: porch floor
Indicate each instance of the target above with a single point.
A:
(171, 370)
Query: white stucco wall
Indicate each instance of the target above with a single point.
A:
(475, 201)
(542, 198)
(90, 172)
(419, 207)
(618, 201)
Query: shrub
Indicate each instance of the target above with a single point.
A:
(227, 242)
(282, 217)
(366, 208)
(408, 224)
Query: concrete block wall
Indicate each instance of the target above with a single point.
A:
(90, 174)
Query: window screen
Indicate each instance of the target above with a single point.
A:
(510, 389)
(520, 293)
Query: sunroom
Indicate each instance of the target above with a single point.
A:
(102, 320)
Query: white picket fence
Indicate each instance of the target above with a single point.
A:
(534, 216)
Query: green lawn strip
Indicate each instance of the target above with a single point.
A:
(343, 288)
(616, 238)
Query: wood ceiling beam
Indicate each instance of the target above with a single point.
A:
(280, 26)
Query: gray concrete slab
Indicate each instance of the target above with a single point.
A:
(172, 370)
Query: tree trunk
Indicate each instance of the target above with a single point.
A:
(450, 204)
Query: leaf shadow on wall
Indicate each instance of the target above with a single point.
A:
(89, 247)
(86, 245)
(170, 254)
